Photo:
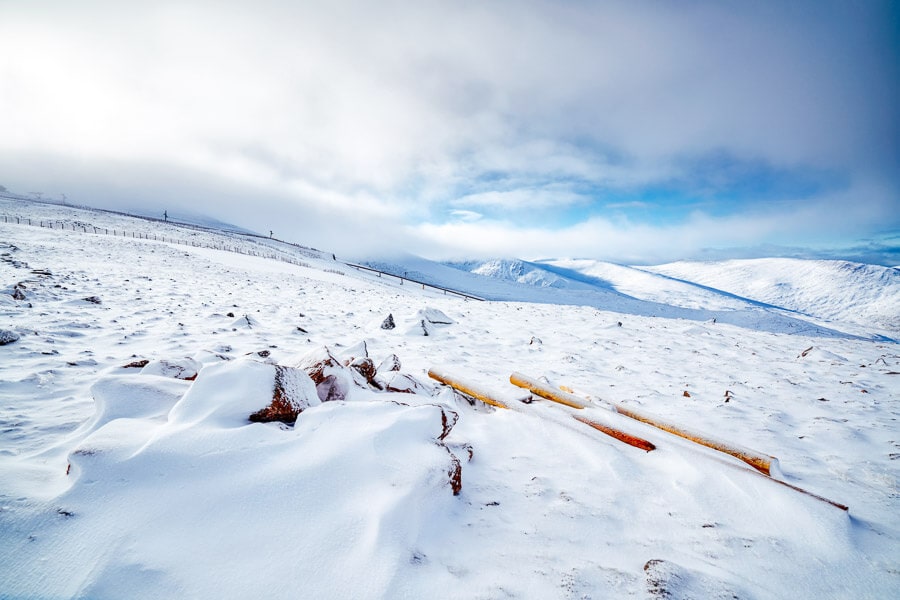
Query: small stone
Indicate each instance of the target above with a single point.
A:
(8, 337)
(388, 323)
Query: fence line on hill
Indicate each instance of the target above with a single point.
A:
(85, 228)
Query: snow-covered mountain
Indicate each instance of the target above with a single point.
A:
(829, 289)
(836, 294)
(515, 270)
(138, 361)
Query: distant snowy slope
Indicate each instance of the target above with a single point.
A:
(827, 289)
(515, 270)
(645, 286)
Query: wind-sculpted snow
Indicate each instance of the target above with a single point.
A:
(122, 475)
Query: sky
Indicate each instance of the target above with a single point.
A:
(638, 132)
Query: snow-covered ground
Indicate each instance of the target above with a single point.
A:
(143, 481)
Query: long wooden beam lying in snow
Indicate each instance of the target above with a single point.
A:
(572, 401)
(759, 461)
(466, 387)
(763, 463)
(631, 440)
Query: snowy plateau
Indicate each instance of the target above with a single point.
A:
(188, 412)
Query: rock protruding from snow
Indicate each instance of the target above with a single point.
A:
(244, 322)
(182, 368)
(391, 363)
(227, 393)
(293, 392)
(358, 350)
(388, 322)
(434, 316)
(8, 337)
(331, 378)
(365, 368)
(405, 384)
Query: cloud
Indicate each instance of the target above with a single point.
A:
(467, 216)
(390, 117)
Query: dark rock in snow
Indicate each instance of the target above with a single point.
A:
(8, 337)
(18, 294)
(137, 364)
(289, 398)
(388, 323)
(405, 384)
(183, 368)
(366, 368)
(92, 299)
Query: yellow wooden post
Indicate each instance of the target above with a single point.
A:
(466, 388)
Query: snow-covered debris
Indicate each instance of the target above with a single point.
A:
(180, 368)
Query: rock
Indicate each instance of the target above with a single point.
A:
(182, 368)
(455, 474)
(365, 368)
(293, 392)
(422, 327)
(226, 394)
(244, 322)
(137, 364)
(448, 420)
(8, 337)
(359, 350)
(404, 384)
(18, 294)
(388, 323)
(332, 379)
(433, 315)
(391, 363)
(92, 300)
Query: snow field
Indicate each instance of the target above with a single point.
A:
(172, 492)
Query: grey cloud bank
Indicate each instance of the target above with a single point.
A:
(528, 128)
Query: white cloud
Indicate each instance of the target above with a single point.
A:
(466, 216)
(384, 113)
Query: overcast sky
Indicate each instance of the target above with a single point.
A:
(637, 132)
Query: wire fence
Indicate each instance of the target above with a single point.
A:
(61, 225)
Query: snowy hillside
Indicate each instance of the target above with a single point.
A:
(828, 289)
(848, 297)
(512, 270)
(188, 414)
